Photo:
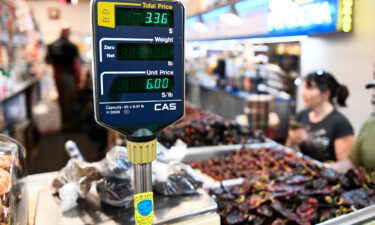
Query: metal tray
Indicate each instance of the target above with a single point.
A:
(168, 210)
(204, 153)
(358, 217)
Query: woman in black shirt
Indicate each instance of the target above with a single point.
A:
(325, 134)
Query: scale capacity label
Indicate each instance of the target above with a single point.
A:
(144, 208)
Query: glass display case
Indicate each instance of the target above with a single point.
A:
(13, 196)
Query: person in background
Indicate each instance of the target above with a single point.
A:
(363, 153)
(63, 55)
(322, 133)
(220, 70)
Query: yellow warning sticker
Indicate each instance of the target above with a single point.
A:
(144, 208)
(106, 13)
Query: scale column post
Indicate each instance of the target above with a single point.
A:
(142, 152)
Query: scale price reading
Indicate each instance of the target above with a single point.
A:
(139, 81)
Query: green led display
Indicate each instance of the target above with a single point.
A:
(139, 84)
(136, 51)
(144, 17)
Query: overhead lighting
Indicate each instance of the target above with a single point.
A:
(199, 25)
(231, 17)
(248, 5)
(298, 81)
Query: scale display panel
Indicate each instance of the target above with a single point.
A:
(139, 79)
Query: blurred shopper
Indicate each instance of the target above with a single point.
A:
(220, 70)
(64, 57)
(323, 133)
(363, 153)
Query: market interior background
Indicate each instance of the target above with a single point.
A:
(35, 118)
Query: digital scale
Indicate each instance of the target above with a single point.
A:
(139, 81)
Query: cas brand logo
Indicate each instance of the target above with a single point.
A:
(166, 107)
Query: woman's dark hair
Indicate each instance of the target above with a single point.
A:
(325, 81)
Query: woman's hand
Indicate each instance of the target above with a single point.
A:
(296, 137)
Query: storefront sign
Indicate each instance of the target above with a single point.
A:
(287, 15)
(309, 17)
(274, 18)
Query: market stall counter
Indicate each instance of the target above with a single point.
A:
(232, 103)
(259, 182)
(300, 188)
(44, 208)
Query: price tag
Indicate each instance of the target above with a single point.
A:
(144, 208)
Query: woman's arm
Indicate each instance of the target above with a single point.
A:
(342, 166)
(343, 147)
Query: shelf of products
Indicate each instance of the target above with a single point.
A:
(241, 65)
(225, 75)
(20, 88)
(19, 47)
(21, 66)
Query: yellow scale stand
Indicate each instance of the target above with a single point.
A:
(141, 154)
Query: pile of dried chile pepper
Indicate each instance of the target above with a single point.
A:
(283, 188)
